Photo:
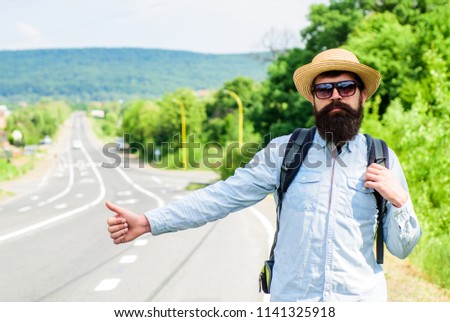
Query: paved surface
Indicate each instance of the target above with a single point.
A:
(55, 245)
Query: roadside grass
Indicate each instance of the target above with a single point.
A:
(406, 283)
(16, 167)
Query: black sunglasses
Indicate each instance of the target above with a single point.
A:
(344, 88)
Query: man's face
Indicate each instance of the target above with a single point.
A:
(339, 116)
(354, 101)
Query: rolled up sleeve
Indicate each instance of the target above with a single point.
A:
(401, 226)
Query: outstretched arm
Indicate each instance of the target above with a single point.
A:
(125, 225)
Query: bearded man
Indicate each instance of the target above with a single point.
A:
(325, 238)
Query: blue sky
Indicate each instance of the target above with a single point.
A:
(209, 26)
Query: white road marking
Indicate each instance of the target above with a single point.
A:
(159, 200)
(70, 213)
(124, 193)
(107, 285)
(66, 190)
(128, 259)
(79, 195)
(87, 180)
(156, 179)
(126, 202)
(177, 197)
(141, 242)
(61, 206)
(270, 230)
(23, 209)
(34, 198)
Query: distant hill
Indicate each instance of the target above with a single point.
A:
(122, 73)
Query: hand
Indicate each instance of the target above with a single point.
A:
(382, 180)
(126, 226)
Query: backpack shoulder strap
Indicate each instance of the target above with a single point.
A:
(377, 152)
(294, 155)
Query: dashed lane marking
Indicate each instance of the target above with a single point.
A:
(107, 284)
(141, 242)
(61, 206)
(126, 202)
(124, 193)
(128, 259)
(156, 179)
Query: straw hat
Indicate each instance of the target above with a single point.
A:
(335, 59)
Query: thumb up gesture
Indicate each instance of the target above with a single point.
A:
(125, 225)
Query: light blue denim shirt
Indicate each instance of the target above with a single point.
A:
(325, 243)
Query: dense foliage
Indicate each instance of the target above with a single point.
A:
(37, 121)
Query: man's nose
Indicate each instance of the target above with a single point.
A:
(335, 95)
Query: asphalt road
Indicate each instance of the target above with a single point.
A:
(54, 243)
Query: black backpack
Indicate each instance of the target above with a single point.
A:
(296, 151)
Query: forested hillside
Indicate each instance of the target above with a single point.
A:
(124, 73)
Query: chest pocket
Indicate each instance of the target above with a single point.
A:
(303, 192)
(361, 201)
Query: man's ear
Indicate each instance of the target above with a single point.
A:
(363, 96)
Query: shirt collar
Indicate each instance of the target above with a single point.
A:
(351, 145)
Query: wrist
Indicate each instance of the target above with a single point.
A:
(400, 201)
(145, 224)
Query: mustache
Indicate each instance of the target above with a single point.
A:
(337, 104)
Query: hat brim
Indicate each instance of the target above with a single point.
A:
(305, 75)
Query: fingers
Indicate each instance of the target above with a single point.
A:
(123, 226)
(120, 240)
(119, 233)
(116, 220)
(116, 227)
(376, 167)
(376, 172)
(113, 207)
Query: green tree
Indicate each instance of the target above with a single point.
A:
(420, 139)
(222, 111)
(381, 42)
(330, 25)
(282, 109)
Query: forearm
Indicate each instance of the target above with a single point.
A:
(246, 187)
(203, 206)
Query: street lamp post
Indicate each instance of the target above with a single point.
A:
(241, 114)
(183, 131)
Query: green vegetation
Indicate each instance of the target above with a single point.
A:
(100, 74)
(37, 121)
(408, 41)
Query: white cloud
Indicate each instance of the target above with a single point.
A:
(30, 36)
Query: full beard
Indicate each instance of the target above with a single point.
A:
(338, 126)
